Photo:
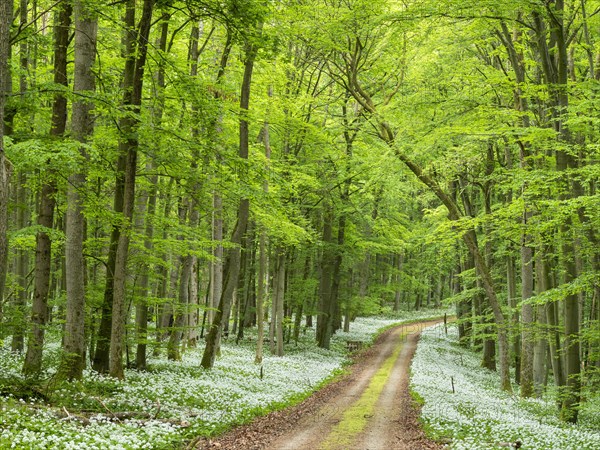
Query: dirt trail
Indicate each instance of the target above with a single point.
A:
(370, 408)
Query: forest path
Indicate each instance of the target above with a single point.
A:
(369, 408)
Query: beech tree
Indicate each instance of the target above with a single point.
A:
(82, 126)
(5, 164)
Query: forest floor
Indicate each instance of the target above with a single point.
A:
(370, 407)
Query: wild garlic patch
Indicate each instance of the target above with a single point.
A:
(178, 399)
(478, 415)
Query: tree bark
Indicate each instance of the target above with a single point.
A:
(279, 292)
(540, 349)
(6, 12)
(325, 283)
(7, 113)
(182, 310)
(527, 339)
(136, 45)
(553, 51)
(43, 256)
(21, 269)
(398, 282)
(232, 267)
(141, 308)
(217, 264)
(73, 358)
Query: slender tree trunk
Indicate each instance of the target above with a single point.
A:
(552, 45)
(262, 261)
(279, 290)
(273, 321)
(302, 301)
(248, 316)
(6, 12)
(242, 298)
(540, 349)
(348, 306)
(187, 266)
(73, 359)
(335, 313)
(43, 257)
(8, 111)
(136, 45)
(527, 322)
(146, 209)
(398, 281)
(327, 260)
(141, 304)
(191, 335)
(217, 264)
(261, 296)
(141, 308)
(234, 258)
(163, 273)
(19, 302)
(527, 338)
(462, 313)
(551, 309)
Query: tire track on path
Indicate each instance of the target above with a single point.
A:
(368, 409)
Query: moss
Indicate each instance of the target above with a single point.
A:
(355, 418)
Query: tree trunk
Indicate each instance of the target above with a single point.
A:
(136, 45)
(261, 296)
(163, 273)
(217, 263)
(540, 349)
(234, 258)
(191, 332)
(19, 302)
(243, 306)
(327, 260)
(216, 266)
(552, 45)
(6, 12)
(348, 309)
(527, 335)
(146, 208)
(398, 281)
(73, 359)
(141, 308)
(279, 293)
(262, 249)
(511, 288)
(187, 266)
(43, 257)
(304, 299)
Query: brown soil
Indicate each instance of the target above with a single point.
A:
(393, 425)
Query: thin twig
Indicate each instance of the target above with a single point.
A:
(106, 407)
(157, 409)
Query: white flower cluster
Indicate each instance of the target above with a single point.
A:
(192, 400)
(478, 415)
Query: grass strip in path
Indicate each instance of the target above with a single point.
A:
(355, 418)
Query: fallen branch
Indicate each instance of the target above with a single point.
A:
(106, 407)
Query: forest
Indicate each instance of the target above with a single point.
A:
(177, 174)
